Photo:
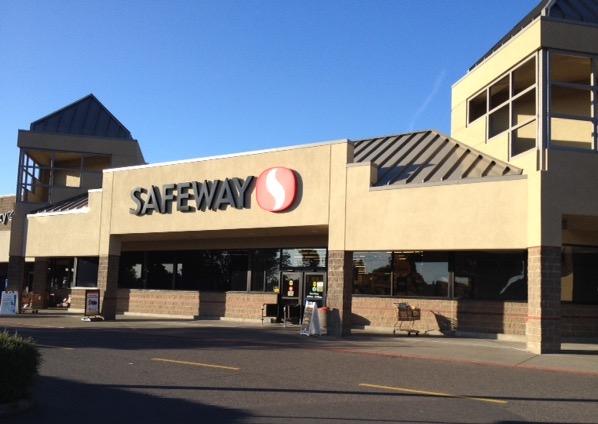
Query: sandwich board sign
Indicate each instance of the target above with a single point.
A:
(92, 302)
(9, 304)
(311, 322)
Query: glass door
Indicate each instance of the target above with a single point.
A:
(291, 295)
(315, 288)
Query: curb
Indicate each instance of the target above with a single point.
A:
(469, 362)
(13, 408)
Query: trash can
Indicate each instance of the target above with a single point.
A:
(323, 318)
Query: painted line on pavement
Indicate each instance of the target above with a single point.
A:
(427, 393)
(196, 364)
(54, 347)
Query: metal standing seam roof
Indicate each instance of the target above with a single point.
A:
(585, 11)
(86, 116)
(427, 157)
(74, 203)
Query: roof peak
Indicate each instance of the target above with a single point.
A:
(86, 116)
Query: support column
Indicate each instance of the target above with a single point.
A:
(40, 279)
(543, 327)
(16, 273)
(108, 284)
(339, 294)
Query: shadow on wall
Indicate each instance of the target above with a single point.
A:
(70, 401)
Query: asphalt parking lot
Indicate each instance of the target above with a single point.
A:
(213, 372)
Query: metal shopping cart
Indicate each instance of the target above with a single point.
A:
(406, 317)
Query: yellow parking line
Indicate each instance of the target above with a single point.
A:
(196, 364)
(439, 394)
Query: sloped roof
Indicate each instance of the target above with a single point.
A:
(77, 202)
(87, 116)
(427, 157)
(585, 11)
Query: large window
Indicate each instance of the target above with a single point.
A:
(572, 114)
(579, 281)
(49, 176)
(372, 272)
(490, 275)
(509, 105)
(87, 272)
(216, 270)
(476, 275)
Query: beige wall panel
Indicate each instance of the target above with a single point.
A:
(4, 245)
(528, 161)
(568, 188)
(72, 234)
(311, 163)
(487, 215)
(341, 155)
(559, 35)
(473, 134)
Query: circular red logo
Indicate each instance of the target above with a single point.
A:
(276, 189)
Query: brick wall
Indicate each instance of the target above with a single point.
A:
(164, 302)
(543, 328)
(579, 320)
(246, 305)
(77, 299)
(438, 315)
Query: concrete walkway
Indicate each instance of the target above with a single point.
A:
(575, 357)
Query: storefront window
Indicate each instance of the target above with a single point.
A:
(265, 270)
(313, 259)
(131, 270)
(421, 274)
(475, 275)
(491, 275)
(160, 270)
(372, 272)
(87, 272)
(579, 270)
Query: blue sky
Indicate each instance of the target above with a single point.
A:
(197, 78)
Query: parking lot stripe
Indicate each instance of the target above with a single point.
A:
(427, 393)
(54, 347)
(196, 364)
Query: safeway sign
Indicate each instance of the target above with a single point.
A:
(276, 192)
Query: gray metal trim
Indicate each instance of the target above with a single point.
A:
(450, 182)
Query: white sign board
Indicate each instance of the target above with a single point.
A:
(9, 304)
(92, 302)
(311, 321)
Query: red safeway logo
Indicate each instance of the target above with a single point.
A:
(276, 189)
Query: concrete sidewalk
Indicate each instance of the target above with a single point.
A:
(577, 358)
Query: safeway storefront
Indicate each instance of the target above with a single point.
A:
(493, 230)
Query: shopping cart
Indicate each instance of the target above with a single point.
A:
(31, 302)
(406, 317)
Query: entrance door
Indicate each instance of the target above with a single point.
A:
(291, 295)
(315, 288)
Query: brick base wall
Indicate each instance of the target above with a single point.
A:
(241, 305)
(246, 305)
(163, 302)
(579, 321)
(445, 316)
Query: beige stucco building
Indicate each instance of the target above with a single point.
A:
(491, 230)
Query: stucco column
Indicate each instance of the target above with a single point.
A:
(40, 279)
(543, 327)
(108, 284)
(339, 292)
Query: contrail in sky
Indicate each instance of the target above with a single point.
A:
(422, 108)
